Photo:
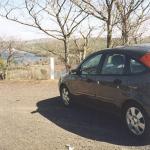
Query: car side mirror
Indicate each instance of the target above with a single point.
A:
(75, 71)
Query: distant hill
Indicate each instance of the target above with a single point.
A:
(41, 46)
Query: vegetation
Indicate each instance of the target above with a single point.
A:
(65, 20)
(46, 47)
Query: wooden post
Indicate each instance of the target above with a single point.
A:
(52, 71)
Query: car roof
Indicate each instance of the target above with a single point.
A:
(135, 50)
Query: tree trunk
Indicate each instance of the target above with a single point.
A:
(135, 40)
(125, 37)
(109, 36)
(84, 52)
(80, 56)
(66, 57)
(109, 29)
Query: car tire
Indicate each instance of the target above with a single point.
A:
(66, 96)
(136, 120)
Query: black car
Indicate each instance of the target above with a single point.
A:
(118, 76)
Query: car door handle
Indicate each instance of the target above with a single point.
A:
(117, 82)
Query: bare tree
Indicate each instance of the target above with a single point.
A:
(104, 10)
(137, 28)
(2, 44)
(1, 60)
(6, 48)
(132, 13)
(53, 49)
(11, 53)
(56, 18)
(82, 43)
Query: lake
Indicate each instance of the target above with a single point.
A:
(22, 57)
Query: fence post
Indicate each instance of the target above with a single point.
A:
(52, 71)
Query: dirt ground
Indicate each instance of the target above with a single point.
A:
(32, 117)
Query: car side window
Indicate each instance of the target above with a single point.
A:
(90, 65)
(136, 67)
(113, 64)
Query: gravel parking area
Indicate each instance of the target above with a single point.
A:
(33, 118)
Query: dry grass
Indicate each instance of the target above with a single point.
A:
(34, 72)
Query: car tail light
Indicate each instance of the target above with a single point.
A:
(146, 59)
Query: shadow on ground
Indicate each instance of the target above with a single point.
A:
(88, 123)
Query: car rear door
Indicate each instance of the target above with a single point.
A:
(111, 82)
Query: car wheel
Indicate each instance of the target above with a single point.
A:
(136, 120)
(65, 96)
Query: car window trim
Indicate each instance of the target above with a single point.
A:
(89, 57)
(129, 73)
(104, 57)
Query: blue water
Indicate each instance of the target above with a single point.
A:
(22, 57)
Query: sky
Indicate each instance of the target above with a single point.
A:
(10, 29)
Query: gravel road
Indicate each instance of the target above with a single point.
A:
(33, 118)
